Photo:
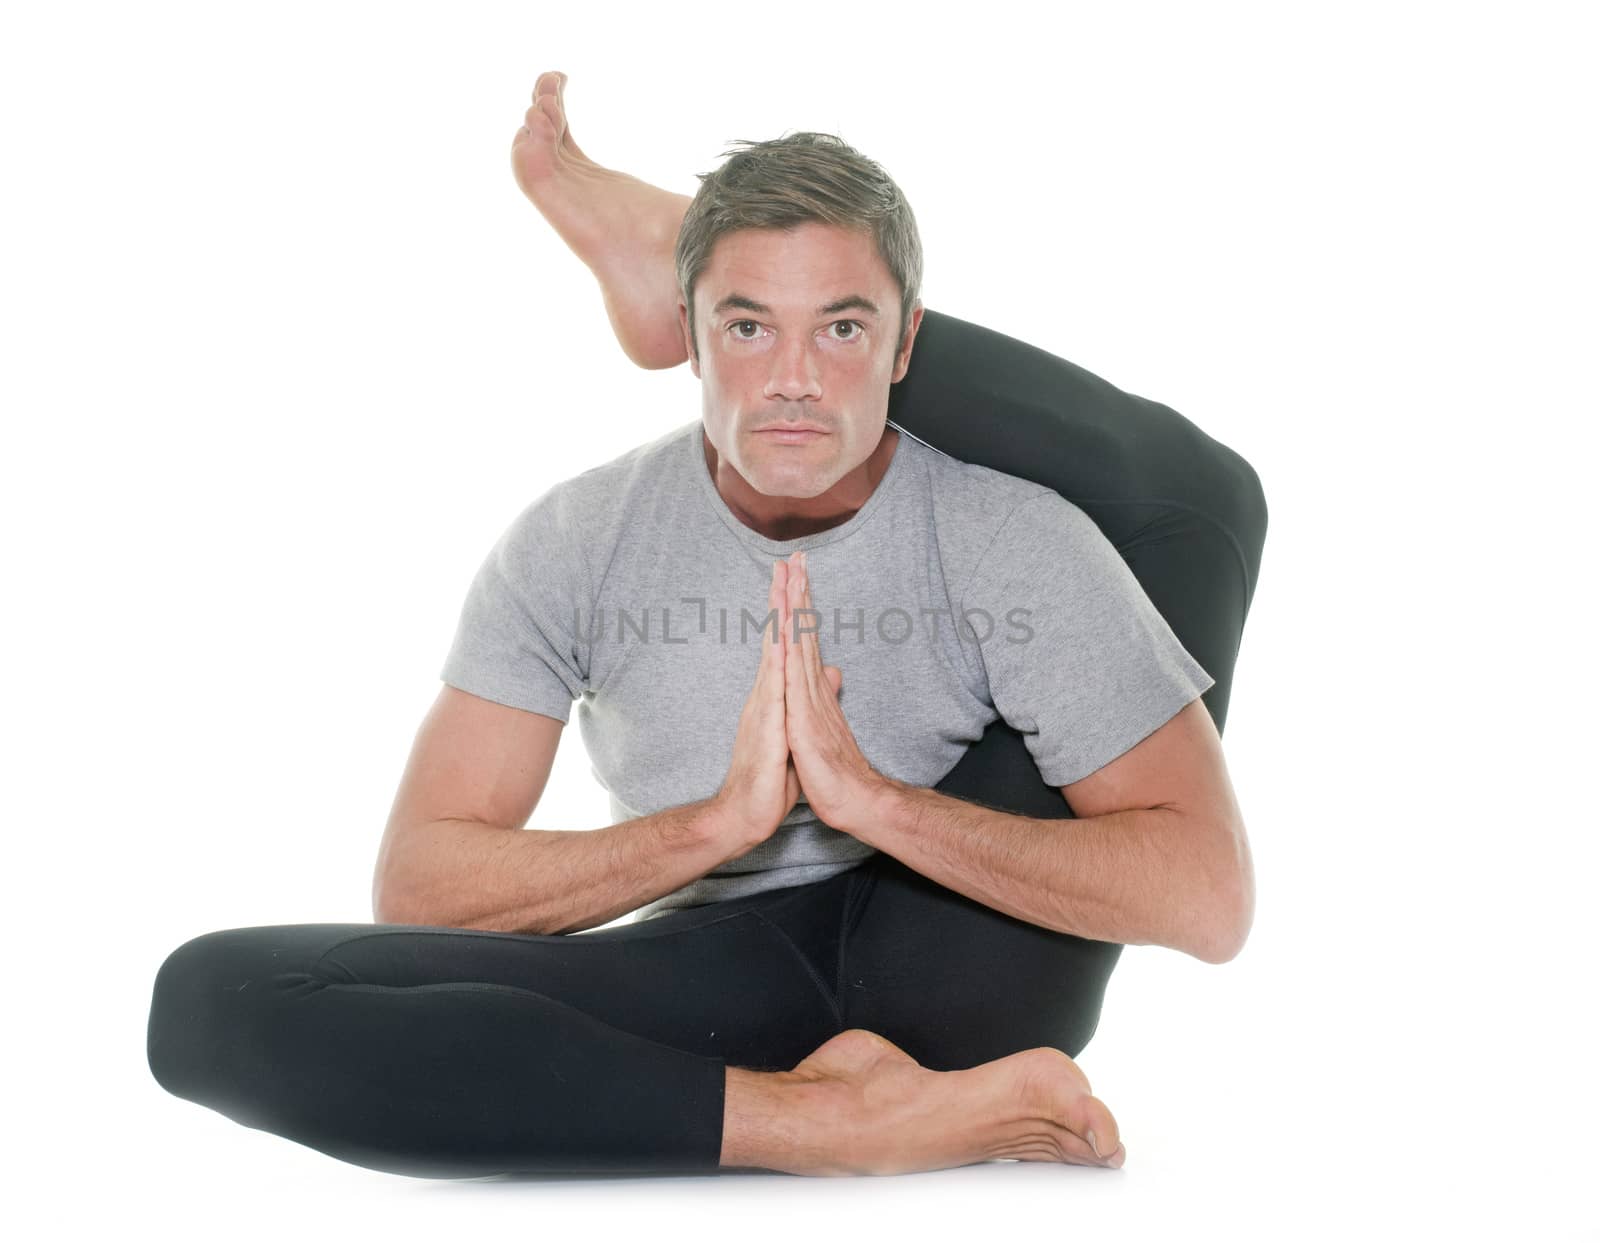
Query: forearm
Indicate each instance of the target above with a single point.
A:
(465, 874)
(1144, 877)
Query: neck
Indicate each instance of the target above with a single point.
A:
(791, 517)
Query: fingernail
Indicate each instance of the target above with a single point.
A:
(1094, 1145)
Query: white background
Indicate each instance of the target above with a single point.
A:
(285, 350)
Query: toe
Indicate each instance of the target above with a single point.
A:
(1082, 1114)
(549, 99)
(548, 83)
(1091, 1119)
(1087, 1147)
(537, 135)
(565, 127)
(551, 108)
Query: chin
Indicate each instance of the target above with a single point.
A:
(800, 484)
(795, 489)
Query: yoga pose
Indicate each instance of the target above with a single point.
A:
(876, 900)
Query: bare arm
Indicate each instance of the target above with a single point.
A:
(455, 854)
(1158, 856)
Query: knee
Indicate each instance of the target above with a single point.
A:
(183, 1035)
(208, 995)
(1232, 494)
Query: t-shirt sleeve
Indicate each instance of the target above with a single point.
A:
(1078, 659)
(515, 642)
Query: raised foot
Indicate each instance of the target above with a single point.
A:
(624, 229)
(898, 1117)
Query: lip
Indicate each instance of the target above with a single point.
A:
(791, 435)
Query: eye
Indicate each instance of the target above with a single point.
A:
(734, 327)
(854, 325)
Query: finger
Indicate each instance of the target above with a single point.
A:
(794, 665)
(781, 602)
(795, 602)
(772, 639)
(810, 654)
(769, 683)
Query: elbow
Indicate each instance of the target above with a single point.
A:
(394, 902)
(386, 908)
(1223, 946)
(1230, 915)
(400, 890)
(385, 898)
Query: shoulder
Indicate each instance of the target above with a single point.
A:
(568, 533)
(992, 513)
(597, 500)
(966, 493)
(654, 465)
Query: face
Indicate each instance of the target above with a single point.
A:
(797, 330)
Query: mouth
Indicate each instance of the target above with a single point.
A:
(790, 435)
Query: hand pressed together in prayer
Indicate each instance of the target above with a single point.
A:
(792, 738)
(838, 782)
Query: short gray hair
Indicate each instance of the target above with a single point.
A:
(788, 181)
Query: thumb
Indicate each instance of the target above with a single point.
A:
(835, 677)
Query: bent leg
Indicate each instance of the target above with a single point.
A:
(956, 983)
(442, 1052)
(1186, 512)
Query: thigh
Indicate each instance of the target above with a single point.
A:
(993, 400)
(1185, 511)
(954, 982)
(725, 983)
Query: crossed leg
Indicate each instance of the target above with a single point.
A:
(448, 1052)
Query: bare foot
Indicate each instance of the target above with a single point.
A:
(623, 229)
(1031, 1106)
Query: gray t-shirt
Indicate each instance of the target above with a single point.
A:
(633, 589)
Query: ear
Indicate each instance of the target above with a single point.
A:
(683, 327)
(903, 358)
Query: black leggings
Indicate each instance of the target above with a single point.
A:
(445, 1052)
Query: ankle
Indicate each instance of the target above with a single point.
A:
(782, 1121)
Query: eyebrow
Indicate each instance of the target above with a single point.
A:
(854, 302)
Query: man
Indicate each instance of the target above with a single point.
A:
(791, 868)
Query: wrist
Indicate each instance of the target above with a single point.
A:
(883, 809)
(723, 824)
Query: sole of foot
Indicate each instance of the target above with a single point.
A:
(623, 229)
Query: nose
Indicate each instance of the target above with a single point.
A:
(794, 374)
